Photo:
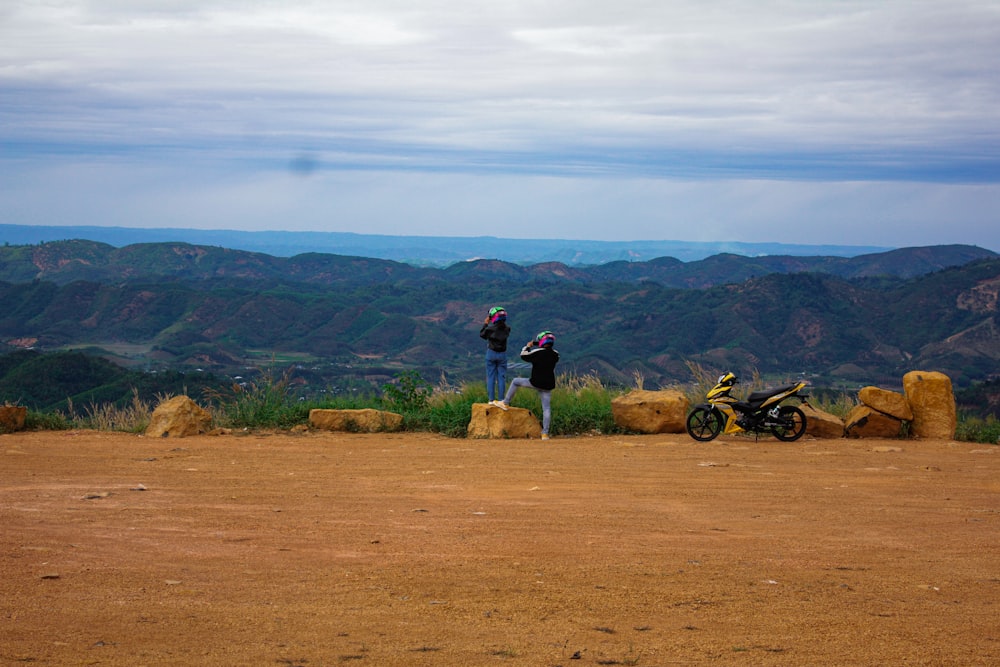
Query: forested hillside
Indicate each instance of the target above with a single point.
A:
(77, 382)
(348, 321)
(68, 261)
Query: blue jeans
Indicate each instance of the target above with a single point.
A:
(496, 374)
(544, 395)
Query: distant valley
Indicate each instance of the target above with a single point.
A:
(343, 323)
(437, 251)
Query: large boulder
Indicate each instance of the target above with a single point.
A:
(366, 420)
(12, 418)
(822, 424)
(887, 402)
(489, 421)
(178, 417)
(645, 411)
(865, 422)
(932, 400)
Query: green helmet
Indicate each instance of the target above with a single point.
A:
(545, 338)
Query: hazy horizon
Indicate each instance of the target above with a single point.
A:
(435, 250)
(847, 123)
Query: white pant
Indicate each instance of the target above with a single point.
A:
(543, 394)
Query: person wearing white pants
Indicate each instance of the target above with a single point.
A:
(543, 357)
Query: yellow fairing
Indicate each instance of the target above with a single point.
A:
(731, 425)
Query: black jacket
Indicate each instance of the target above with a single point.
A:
(543, 362)
(496, 336)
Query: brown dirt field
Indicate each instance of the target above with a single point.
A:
(414, 549)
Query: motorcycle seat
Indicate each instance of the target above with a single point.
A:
(759, 397)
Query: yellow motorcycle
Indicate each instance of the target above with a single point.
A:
(761, 412)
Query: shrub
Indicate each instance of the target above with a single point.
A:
(977, 429)
(450, 411)
(582, 405)
(262, 404)
(46, 421)
(133, 417)
(410, 393)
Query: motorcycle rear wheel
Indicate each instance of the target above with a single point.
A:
(704, 424)
(791, 423)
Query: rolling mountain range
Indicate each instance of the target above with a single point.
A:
(68, 261)
(437, 251)
(842, 321)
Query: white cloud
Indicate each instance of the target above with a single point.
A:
(805, 100)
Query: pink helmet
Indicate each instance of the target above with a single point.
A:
(545, 339)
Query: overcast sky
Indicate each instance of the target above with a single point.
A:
(857, 123)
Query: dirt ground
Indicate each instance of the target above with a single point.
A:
(415, 549)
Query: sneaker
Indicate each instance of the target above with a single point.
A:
(545, 436)
(500, 404)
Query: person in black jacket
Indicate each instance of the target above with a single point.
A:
(495, 331)
(543, 357)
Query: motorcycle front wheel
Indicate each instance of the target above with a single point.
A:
(704, 424)
(790, 424)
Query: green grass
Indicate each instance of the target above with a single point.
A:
(580, 406)
(449, 412)
(270, 403)
(977, 429)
